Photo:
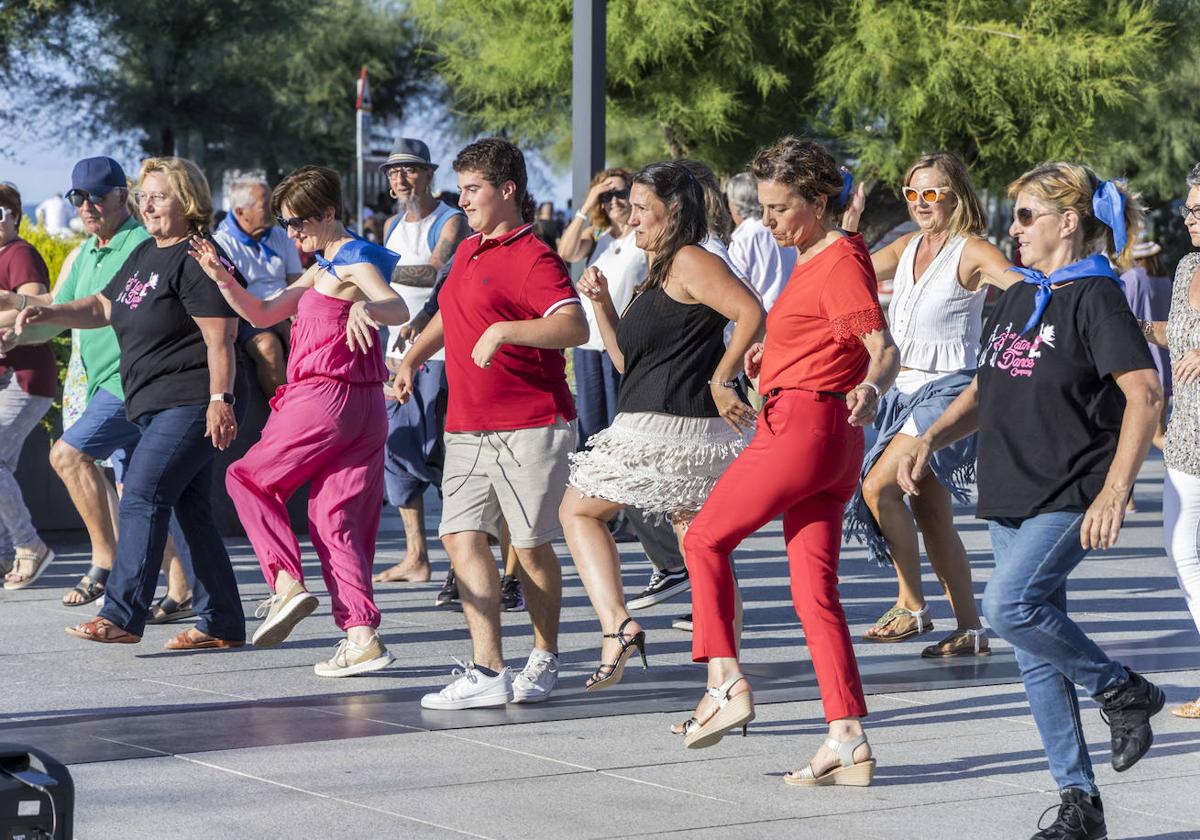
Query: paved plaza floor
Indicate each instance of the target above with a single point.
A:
(251, 744)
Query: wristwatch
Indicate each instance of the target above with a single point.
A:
(727, 383)
(225, 398)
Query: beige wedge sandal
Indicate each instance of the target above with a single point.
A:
(732, 712)
(850, 773)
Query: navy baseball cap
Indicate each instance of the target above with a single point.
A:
(98, 175)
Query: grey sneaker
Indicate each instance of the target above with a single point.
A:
(283, 611)
(351, 659)
(537, 679)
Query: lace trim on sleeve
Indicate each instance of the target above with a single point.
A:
(852, 326)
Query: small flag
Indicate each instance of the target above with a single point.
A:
(363, 101)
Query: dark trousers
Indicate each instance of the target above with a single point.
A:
(171, 469)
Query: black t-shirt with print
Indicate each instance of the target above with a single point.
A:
(1049, 410)
(155, 296)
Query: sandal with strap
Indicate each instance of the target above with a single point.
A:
(922, 624)
(28, 567)
(960, 643)
(104, 631)
(90, 587)
(1187, 710)
(166, 609)
(732, 711)
(849, 773)
(686, 728)
(611, 674)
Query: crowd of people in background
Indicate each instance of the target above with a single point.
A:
(729, 346)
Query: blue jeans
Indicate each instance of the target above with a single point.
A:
(414, 455)
(1026, 604)
(596, 384)
(172, 468)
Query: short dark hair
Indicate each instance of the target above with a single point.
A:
(309, 191)
(10, 198)
(498, 160)
(804, 165)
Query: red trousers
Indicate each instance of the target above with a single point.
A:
(803, 462)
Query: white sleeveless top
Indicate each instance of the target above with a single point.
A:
(411, 241)
(935, 321)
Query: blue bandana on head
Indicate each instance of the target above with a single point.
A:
(1093, 266)
(359, 250)
(1108, 205)
(230, 226)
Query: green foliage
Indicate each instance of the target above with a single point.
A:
(229, 83)
(54, 249)
(1006, 84)
(707, 78)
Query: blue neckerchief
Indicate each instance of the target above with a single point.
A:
(230, 226)
(359, 250)
(1093, 266)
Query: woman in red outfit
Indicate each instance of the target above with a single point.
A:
(827, 357)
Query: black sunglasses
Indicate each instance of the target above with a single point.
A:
(79, 197)
(1025, 216)
(296, 222)
(611, 195)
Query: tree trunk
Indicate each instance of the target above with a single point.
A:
(674, 147)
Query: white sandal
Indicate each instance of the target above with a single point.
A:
(732, 712)
(27, 568)
(850, 773)
(924, 624)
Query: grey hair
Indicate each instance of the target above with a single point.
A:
(240, 190)
(742, 192)
(1193, 178)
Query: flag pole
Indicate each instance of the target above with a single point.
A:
(362, 106)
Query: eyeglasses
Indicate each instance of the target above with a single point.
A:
(5, 214)
(144, 198)
(614, 195)
(1025, 216)
(930, 195)
(296, 222)
(1189, 213)
(405, 169)
(79, 197)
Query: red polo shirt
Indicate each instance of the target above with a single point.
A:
(514, 277)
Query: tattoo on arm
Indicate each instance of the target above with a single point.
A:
(415, 275)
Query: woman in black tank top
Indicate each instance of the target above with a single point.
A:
(680, 413)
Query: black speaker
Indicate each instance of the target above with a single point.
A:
(37, 796)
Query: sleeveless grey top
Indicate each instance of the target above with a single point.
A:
(1181, 450)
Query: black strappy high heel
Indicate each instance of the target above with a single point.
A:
(607, 674)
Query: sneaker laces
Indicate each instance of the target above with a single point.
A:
(340, 657)
(658, 577)
(264, 608)
(534, 668)
(1070, 818)
(465, 671)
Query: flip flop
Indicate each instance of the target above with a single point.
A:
(200, 641)
(90, 587)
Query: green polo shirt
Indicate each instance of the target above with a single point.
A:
(93, 269)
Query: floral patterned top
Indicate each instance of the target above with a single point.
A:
(1182, 448)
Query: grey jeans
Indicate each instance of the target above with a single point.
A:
(19, 413)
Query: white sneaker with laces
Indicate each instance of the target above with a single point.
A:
(471, 689)
(537, 679)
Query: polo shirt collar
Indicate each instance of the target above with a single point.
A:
(505, 239)
(118, 241)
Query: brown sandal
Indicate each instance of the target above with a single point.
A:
(1187, 710)
(193, 639)
(104, 631)
(959, 643)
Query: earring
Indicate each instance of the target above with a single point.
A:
(392, 193)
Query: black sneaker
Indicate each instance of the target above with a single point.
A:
(447, 597)
(511, 599)
(1127, 709)
(1080, 817)
(663, 585)
(684, 623)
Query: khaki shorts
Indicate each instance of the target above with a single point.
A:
(519, 476)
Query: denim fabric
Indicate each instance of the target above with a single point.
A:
(413, 458)
(1026, 604)
(596, 384)
(171, 468)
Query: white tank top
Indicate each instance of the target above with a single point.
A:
(411, 241)
(935, 321)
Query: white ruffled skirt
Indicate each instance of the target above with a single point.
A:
(658, 463)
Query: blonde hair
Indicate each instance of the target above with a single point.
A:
(600, 220)
(1070, 186)
(968, 218)
(188, 184)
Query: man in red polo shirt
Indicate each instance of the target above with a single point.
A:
(507, 311)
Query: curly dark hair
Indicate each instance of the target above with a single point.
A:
(498, 160)
(804, 165)
(687, 223)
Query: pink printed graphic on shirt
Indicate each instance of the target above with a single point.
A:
(135, 290)
(1008, 350)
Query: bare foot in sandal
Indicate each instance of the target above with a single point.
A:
(900, 623)
(89, 588)
(30, 562)
(851, 758)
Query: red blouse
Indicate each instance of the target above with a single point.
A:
(814, 329)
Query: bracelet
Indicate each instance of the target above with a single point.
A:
(728, 383)
(24, 301)
(870, 385)
(581, 216)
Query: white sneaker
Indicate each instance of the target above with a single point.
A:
(537, 680)
(351, 659)
(471, 690)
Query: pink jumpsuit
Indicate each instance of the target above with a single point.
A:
(328, 425)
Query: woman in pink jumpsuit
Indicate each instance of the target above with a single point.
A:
(328, 424)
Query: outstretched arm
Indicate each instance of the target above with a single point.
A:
(260, 313)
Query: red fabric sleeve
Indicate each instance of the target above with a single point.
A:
(850, 300)
(23, 265)
(548, 286)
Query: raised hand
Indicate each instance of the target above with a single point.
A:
(205, 253)
(594, 286)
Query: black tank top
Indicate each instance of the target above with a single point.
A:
(671, 350)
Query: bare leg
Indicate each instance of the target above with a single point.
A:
(89, 493)
(934, 513)
(479, 586)
(415, 565)
(178, 587)
(585, 525)
(270, 361)
(541, 581)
